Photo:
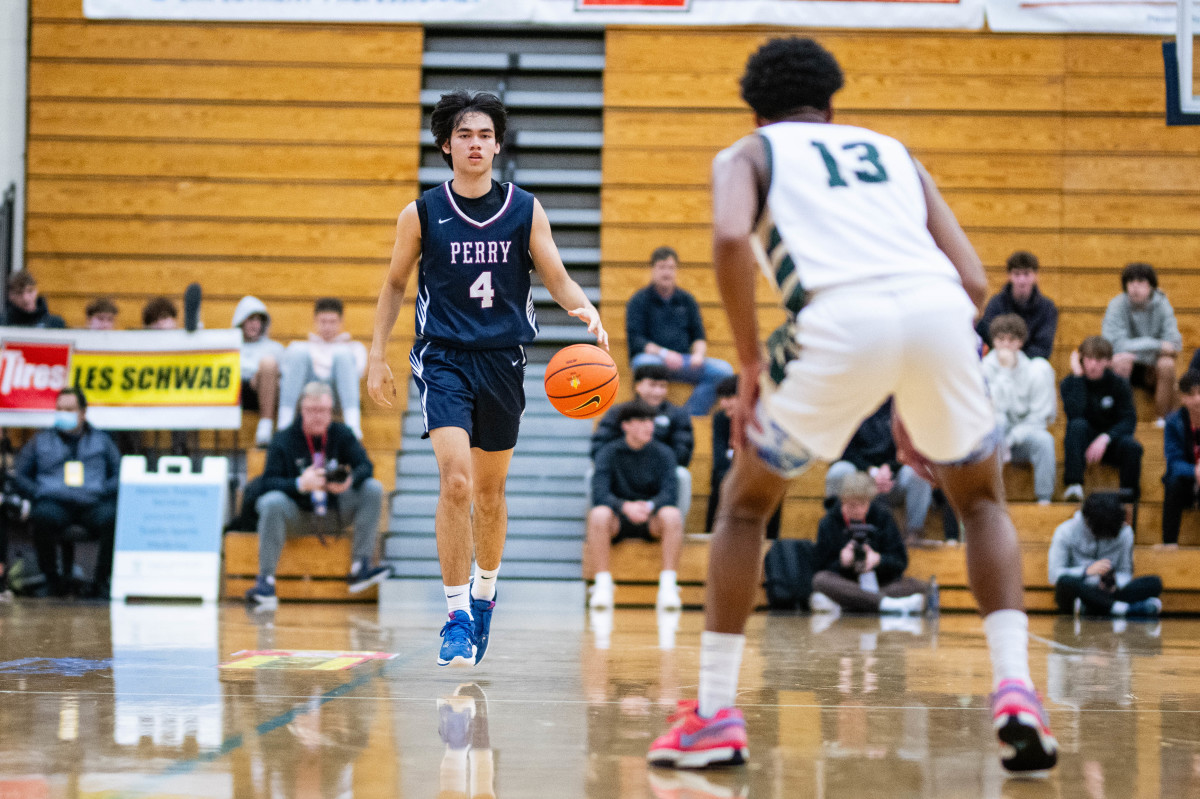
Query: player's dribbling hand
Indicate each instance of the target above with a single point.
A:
(591, 317)
(380, 384)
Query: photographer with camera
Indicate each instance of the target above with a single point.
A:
(860, 557)
(1091, 563)
(318, 479)
(69, 474)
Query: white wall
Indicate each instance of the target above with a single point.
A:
(14, 28)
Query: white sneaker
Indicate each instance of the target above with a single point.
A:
(600, 596)
(819, 603)
(263, 433)
(1073, 492)
(668, 598)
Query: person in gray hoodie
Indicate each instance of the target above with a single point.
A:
(1140, 323)
(261, 356)
(1091, 563)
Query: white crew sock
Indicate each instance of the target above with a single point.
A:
(1120, 608)
(452, 777)
(1007, 634)
(720, 662)
(602, 580)
(458, 597)
(286, 417)
(666, 578)
(484, 586)
(353, 419)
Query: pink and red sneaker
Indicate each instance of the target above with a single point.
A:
(1023, 728)
(696, 742)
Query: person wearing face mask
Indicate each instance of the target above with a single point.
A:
(70, 474)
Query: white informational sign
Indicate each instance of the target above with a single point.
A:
(1082, 16)
(133, 379)
(168, 540)
(961, 14)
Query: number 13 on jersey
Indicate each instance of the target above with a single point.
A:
(482, 289)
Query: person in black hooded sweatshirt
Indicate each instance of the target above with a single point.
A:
(25, 307)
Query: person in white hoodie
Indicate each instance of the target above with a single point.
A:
(330, 355)
(261, 358)
(1091, 563)
(1023, 396)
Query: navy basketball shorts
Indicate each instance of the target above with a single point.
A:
(481, 391)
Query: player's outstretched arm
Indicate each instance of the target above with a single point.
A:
(950, 239)
(405, 252)
(736, 176)
(565, 291)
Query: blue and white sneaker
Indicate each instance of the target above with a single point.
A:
(364, 576)
(262, 595)
(458, 645)
(481, 612)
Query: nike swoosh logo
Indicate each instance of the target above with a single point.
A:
(444, 221)
(595, 400)
(454, 596)
(517, 361)
(708, 731)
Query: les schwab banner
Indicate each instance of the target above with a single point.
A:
(133, 379)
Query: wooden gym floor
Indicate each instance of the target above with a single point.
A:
(127, 702)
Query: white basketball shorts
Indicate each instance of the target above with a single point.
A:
(911, 339)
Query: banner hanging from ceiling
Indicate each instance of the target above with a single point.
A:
(958, 14)
(1083, 16)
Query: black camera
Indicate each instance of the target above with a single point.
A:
(336, 472)
(14, 507)
(858, 535)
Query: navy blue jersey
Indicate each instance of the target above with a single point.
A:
(473, 286)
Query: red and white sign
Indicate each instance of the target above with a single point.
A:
(32, 374)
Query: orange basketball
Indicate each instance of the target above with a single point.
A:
(581, 381)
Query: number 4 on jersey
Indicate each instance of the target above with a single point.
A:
(482, 289)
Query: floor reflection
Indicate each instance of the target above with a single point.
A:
(127, 701)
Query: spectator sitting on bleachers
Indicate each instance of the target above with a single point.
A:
(1022, 390)
(634, 491)
(303, 493)
(663, 326)
(672, 426)
(27, 308)
(261, 356)
(101, 314)
(1101, 420)
(1181, 444)
(1091, 563)
(1021, 296)
(330, 355)
(873, 451)
(160, 313)
(1140, 324)
(860, 558)
(70, 474)
(722, 456)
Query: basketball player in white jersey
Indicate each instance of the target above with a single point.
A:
(881, 286)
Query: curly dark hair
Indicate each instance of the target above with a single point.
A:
(1138, 270)
(453, 106)
(788, 74)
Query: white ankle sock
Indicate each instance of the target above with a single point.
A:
(1120, 608)
(286, 417)
(666, 577)
(353, 419)
(484, 586)
(458, 597)
(720, 662)
(603, 579)
(1007, 634)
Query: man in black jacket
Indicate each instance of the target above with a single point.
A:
(860, 558)
(634, 493)
(1101, 421)
(672, 426)
(25, 307)
(1020, 295)
(317, 479)
(872, 450)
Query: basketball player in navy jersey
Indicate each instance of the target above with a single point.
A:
(881, 286)
(473, 242)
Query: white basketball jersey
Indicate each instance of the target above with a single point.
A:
(845, 206)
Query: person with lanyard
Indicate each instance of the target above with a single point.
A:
(69, 475)
(317, 471)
